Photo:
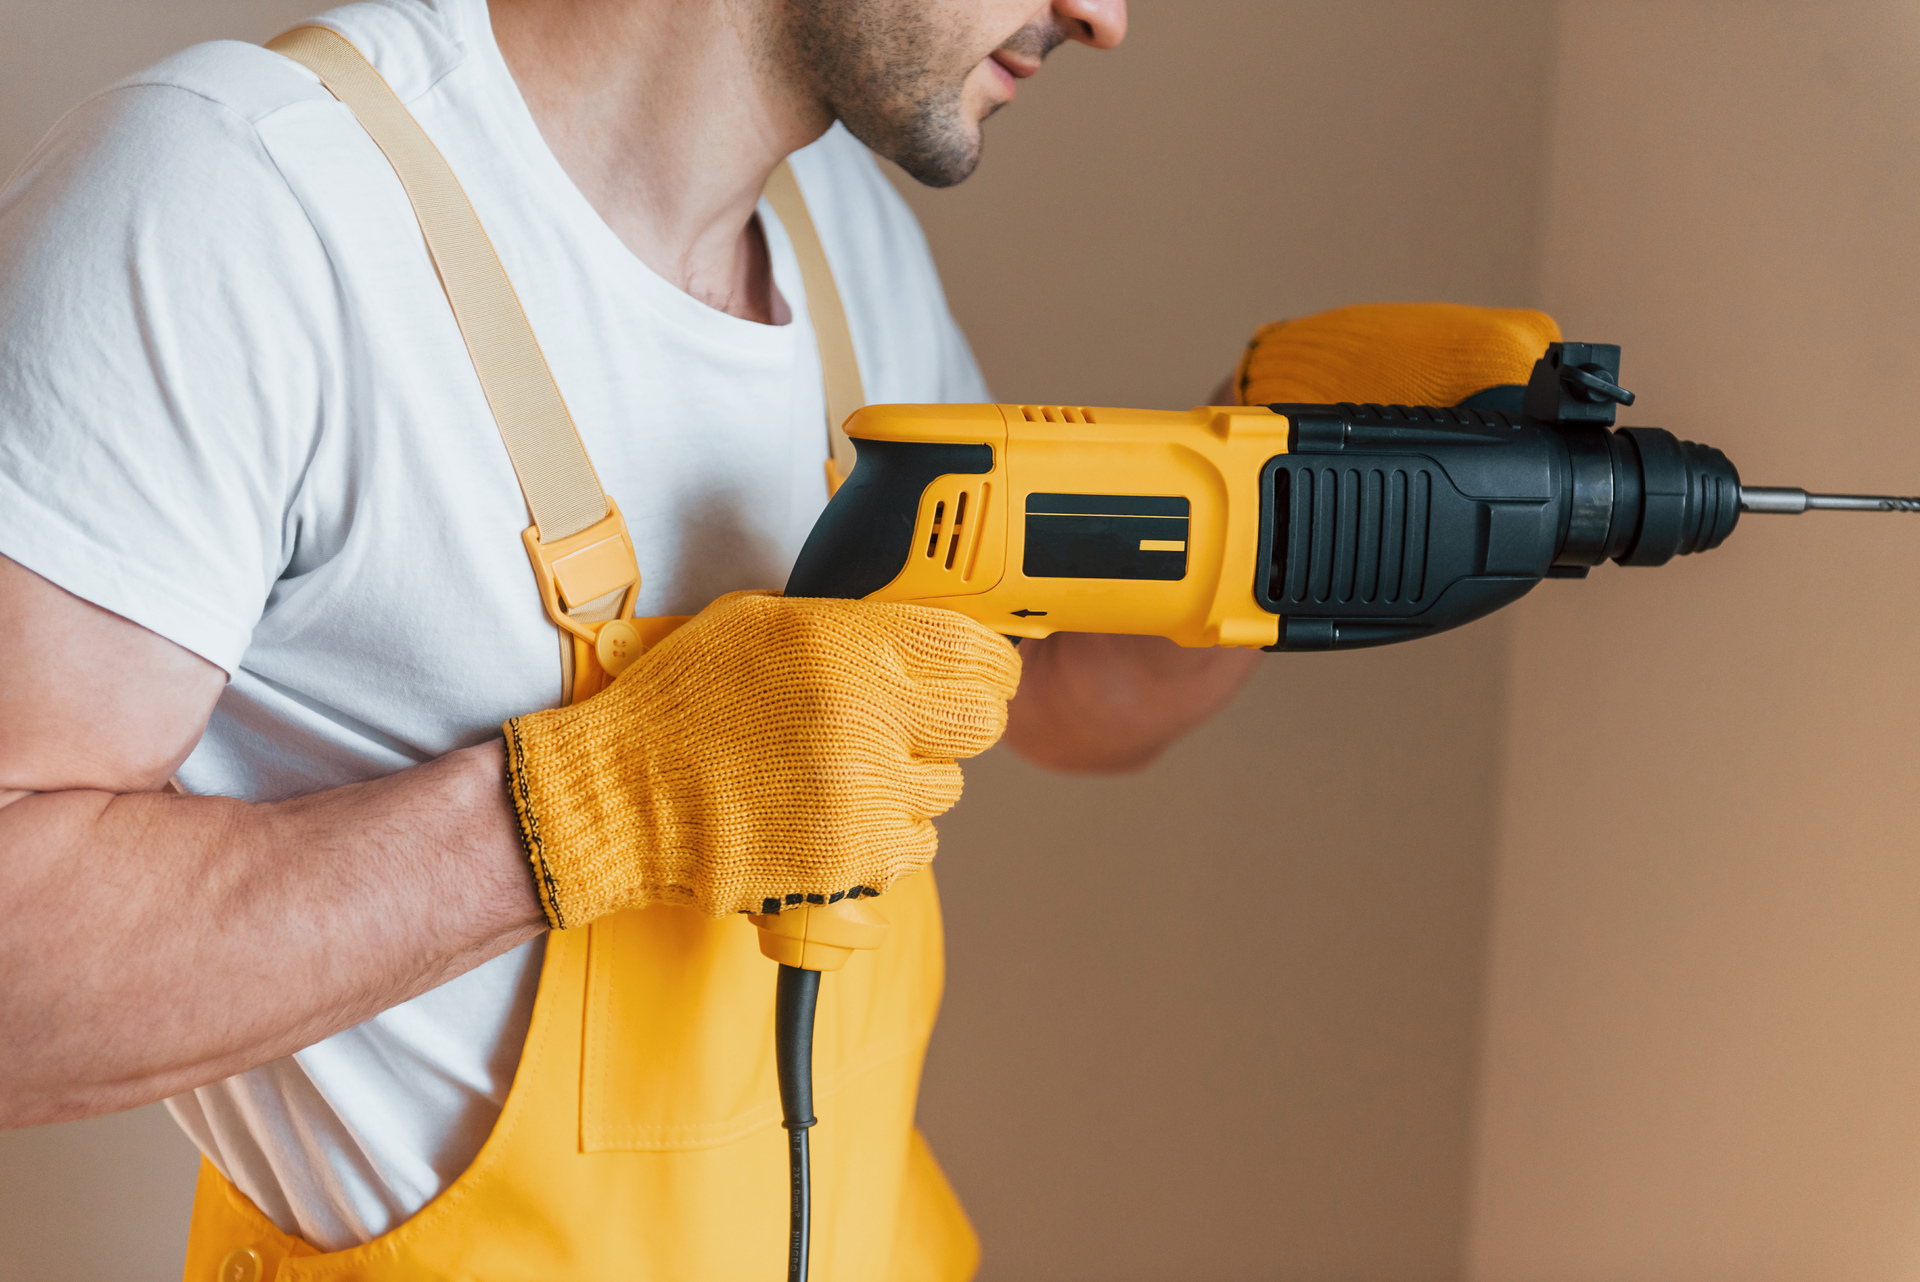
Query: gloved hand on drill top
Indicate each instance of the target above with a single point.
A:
(1392, 354)
(770, 748)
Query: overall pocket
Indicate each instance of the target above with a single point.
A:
(678, 1031)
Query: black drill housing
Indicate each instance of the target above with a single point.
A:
(1385, 523)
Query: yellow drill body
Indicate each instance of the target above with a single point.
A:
(1089, 519)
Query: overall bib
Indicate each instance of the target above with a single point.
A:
(641, 1138)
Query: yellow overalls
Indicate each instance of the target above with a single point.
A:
(641, 1138)
(642, 1135)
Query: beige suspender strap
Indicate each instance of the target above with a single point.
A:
(839, 366)
(562, 491)
(583, 560)
(582, 556)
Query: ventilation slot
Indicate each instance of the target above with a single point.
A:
(1282, 532)
(1351, 536)
(1057, 414)
(972, 555)
(933, 539)
(952, 533)
(959, 524)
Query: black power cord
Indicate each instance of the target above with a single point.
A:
(793, 1006)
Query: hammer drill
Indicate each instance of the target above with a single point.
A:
(1287, 527)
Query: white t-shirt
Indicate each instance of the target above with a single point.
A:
(235, 408)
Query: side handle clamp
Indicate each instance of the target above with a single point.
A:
(1576, 383)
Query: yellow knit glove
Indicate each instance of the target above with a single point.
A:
(770, 752)
(1392, 354)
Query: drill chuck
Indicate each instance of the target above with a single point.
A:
(1642, 496)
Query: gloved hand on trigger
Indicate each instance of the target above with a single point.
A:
(1392, 354)
(769, 748)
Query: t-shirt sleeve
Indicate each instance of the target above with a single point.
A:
(165, 308)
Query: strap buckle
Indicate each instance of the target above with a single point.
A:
(589, 582)
(582, 569)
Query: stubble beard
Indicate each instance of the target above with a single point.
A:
(893, 73)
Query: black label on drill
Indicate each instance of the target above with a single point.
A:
(1106, 536)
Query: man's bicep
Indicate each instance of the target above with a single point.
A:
(88, 699)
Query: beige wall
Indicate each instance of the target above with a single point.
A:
(105, 1199)
(55, 52)
(1703, 1049)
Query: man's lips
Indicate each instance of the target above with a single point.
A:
(1017, 67)
(1009, 68)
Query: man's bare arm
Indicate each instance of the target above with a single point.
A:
(1092, 704)
(153, 943)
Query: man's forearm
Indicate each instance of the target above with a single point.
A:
(153, 943)
(1100, 704)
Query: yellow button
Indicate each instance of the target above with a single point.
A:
(618, 645)
(242, 1265)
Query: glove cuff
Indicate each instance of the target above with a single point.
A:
(526, 812)
(584, 827)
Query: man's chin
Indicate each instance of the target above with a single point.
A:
(945, 171)
(936, 155)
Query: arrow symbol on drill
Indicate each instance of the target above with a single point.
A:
(1029, 614)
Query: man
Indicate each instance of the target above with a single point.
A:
(256, 528)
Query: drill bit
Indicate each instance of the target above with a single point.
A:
(1757, 498)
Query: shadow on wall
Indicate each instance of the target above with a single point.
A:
(1704, 1021)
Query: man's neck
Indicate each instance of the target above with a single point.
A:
(669, 115)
